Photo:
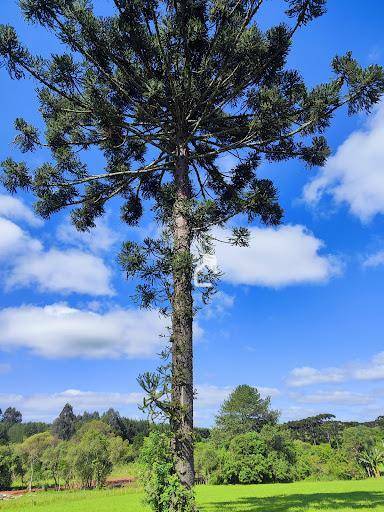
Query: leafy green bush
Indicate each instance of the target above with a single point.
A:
(163, 489)
(90, 459)
(321, 462)
(254, 457)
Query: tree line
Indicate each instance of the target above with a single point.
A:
(247, 444)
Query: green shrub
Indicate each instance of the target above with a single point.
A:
(90, 459)
(321, 462)
(163, 489)
(254, 457)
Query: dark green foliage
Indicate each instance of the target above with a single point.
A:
(86, 417)
(322, 428)
(5, 468)
(11, 416)
(202, 434)
(3, 434)
(20, 431)
(136, 428)
(64, 426)
(115, 422)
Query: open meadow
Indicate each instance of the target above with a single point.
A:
(339, 496)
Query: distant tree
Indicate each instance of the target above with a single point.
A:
(11, 416)
(95, 426)
(116, 423)
(86, 417)
(378, 422)
(64, 426)
(134, 428)
(317, 429)
(54, 462)
(245, 411)
(20, 431)
(119, 450)
(32, 451)
(90, 458)
(202, 433)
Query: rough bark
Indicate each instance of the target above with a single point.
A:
(182, 319)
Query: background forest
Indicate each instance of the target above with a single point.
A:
(247, 445)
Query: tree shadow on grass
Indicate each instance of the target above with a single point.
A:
(300, 502)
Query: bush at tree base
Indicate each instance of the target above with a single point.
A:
(164, 491)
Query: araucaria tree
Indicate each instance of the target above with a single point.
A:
(163, 89)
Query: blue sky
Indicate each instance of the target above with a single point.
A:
(299, 313)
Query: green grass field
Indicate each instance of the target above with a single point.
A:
(344, 496)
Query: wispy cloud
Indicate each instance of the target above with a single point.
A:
(340, 397)
(374, 260)
(307, 376)
(15, 209)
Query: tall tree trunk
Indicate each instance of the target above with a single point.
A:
(182, 319)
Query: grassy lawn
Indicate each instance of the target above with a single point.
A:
(346, 496)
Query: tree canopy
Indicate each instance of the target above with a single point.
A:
(245, 411)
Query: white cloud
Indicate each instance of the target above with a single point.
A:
(45, 407)
(13, 240)
(373, 371)
(276, 257)
(306, 376)
(59, 331)
(26, 262)
(70, 271)
(374, 260)
(355, 174)
(98, 239)
(13, 208)
(340, 397)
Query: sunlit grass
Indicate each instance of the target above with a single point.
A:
(343, 496)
